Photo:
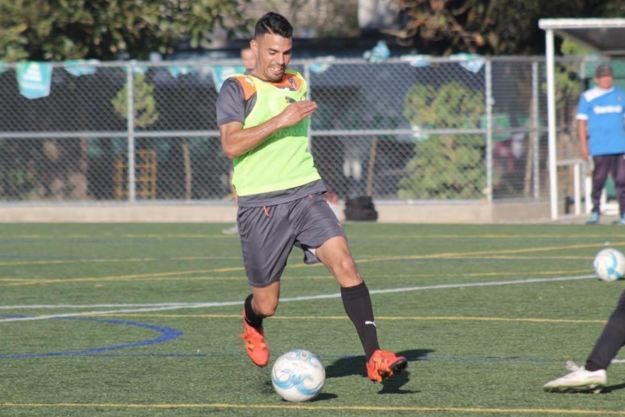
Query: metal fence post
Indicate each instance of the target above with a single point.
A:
(489, 129)
(131, 132)
(535, 129)
(551, 111)
(307, 78)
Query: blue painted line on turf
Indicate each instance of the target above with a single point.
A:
(166, 334)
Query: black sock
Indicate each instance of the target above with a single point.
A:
(253, 319)
(592, 367)
(357, 303)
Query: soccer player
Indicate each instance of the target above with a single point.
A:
(263, 121)
(601, 130)
(592, 376)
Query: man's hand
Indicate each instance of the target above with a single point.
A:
(584, 153)
(296, 112)
(235, 140)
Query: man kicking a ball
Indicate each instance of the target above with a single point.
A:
(263, 121)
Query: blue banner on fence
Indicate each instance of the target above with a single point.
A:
(176, 70)
(221, 72)
(469, 62)
(34, 78)
(81, 67)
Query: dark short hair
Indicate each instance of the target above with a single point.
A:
(604, 70)
(273, 23)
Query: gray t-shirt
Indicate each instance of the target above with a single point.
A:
(231, 103)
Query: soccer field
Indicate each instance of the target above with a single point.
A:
(138, 320)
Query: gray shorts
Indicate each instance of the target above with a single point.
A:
(269, 233)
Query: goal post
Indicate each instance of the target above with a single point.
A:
(603, 35)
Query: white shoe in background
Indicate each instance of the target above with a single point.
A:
(234, 230)
(579, 379)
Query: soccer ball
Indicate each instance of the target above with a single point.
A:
(298, 375)
(609, 264)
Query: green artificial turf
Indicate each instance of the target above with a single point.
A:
(486, 314)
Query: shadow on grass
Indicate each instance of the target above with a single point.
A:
(608, 389)
(324, 396)
(611, 388)
(355, 365)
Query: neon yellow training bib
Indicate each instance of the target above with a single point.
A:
(283, 160)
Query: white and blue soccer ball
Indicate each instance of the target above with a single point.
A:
(298, 375)
(609, 265)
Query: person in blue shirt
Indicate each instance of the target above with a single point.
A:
(601, 130)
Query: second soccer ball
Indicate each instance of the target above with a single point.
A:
(609, 264)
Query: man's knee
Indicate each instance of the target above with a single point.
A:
(345, 265)
(265, 299)
(265, 307)
(619, 182)
(346, 272)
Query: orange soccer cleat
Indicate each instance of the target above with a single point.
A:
(255, 344)
(384, 364)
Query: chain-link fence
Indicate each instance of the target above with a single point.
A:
(403, 129)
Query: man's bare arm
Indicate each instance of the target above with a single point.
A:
(582, 132)
(236, 141)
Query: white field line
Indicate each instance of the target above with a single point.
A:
(57, 306)
(142, 308)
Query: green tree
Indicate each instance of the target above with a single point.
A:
(445, 166)
(568, 83)
(321, 18)
(56, 30)
(489, 26)
(145, 110)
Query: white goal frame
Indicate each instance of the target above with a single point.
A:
(597, 33)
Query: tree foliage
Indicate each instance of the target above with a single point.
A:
(55, 30)
(322, 18)
(445, 165)
(489, 26)
(145, 110)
